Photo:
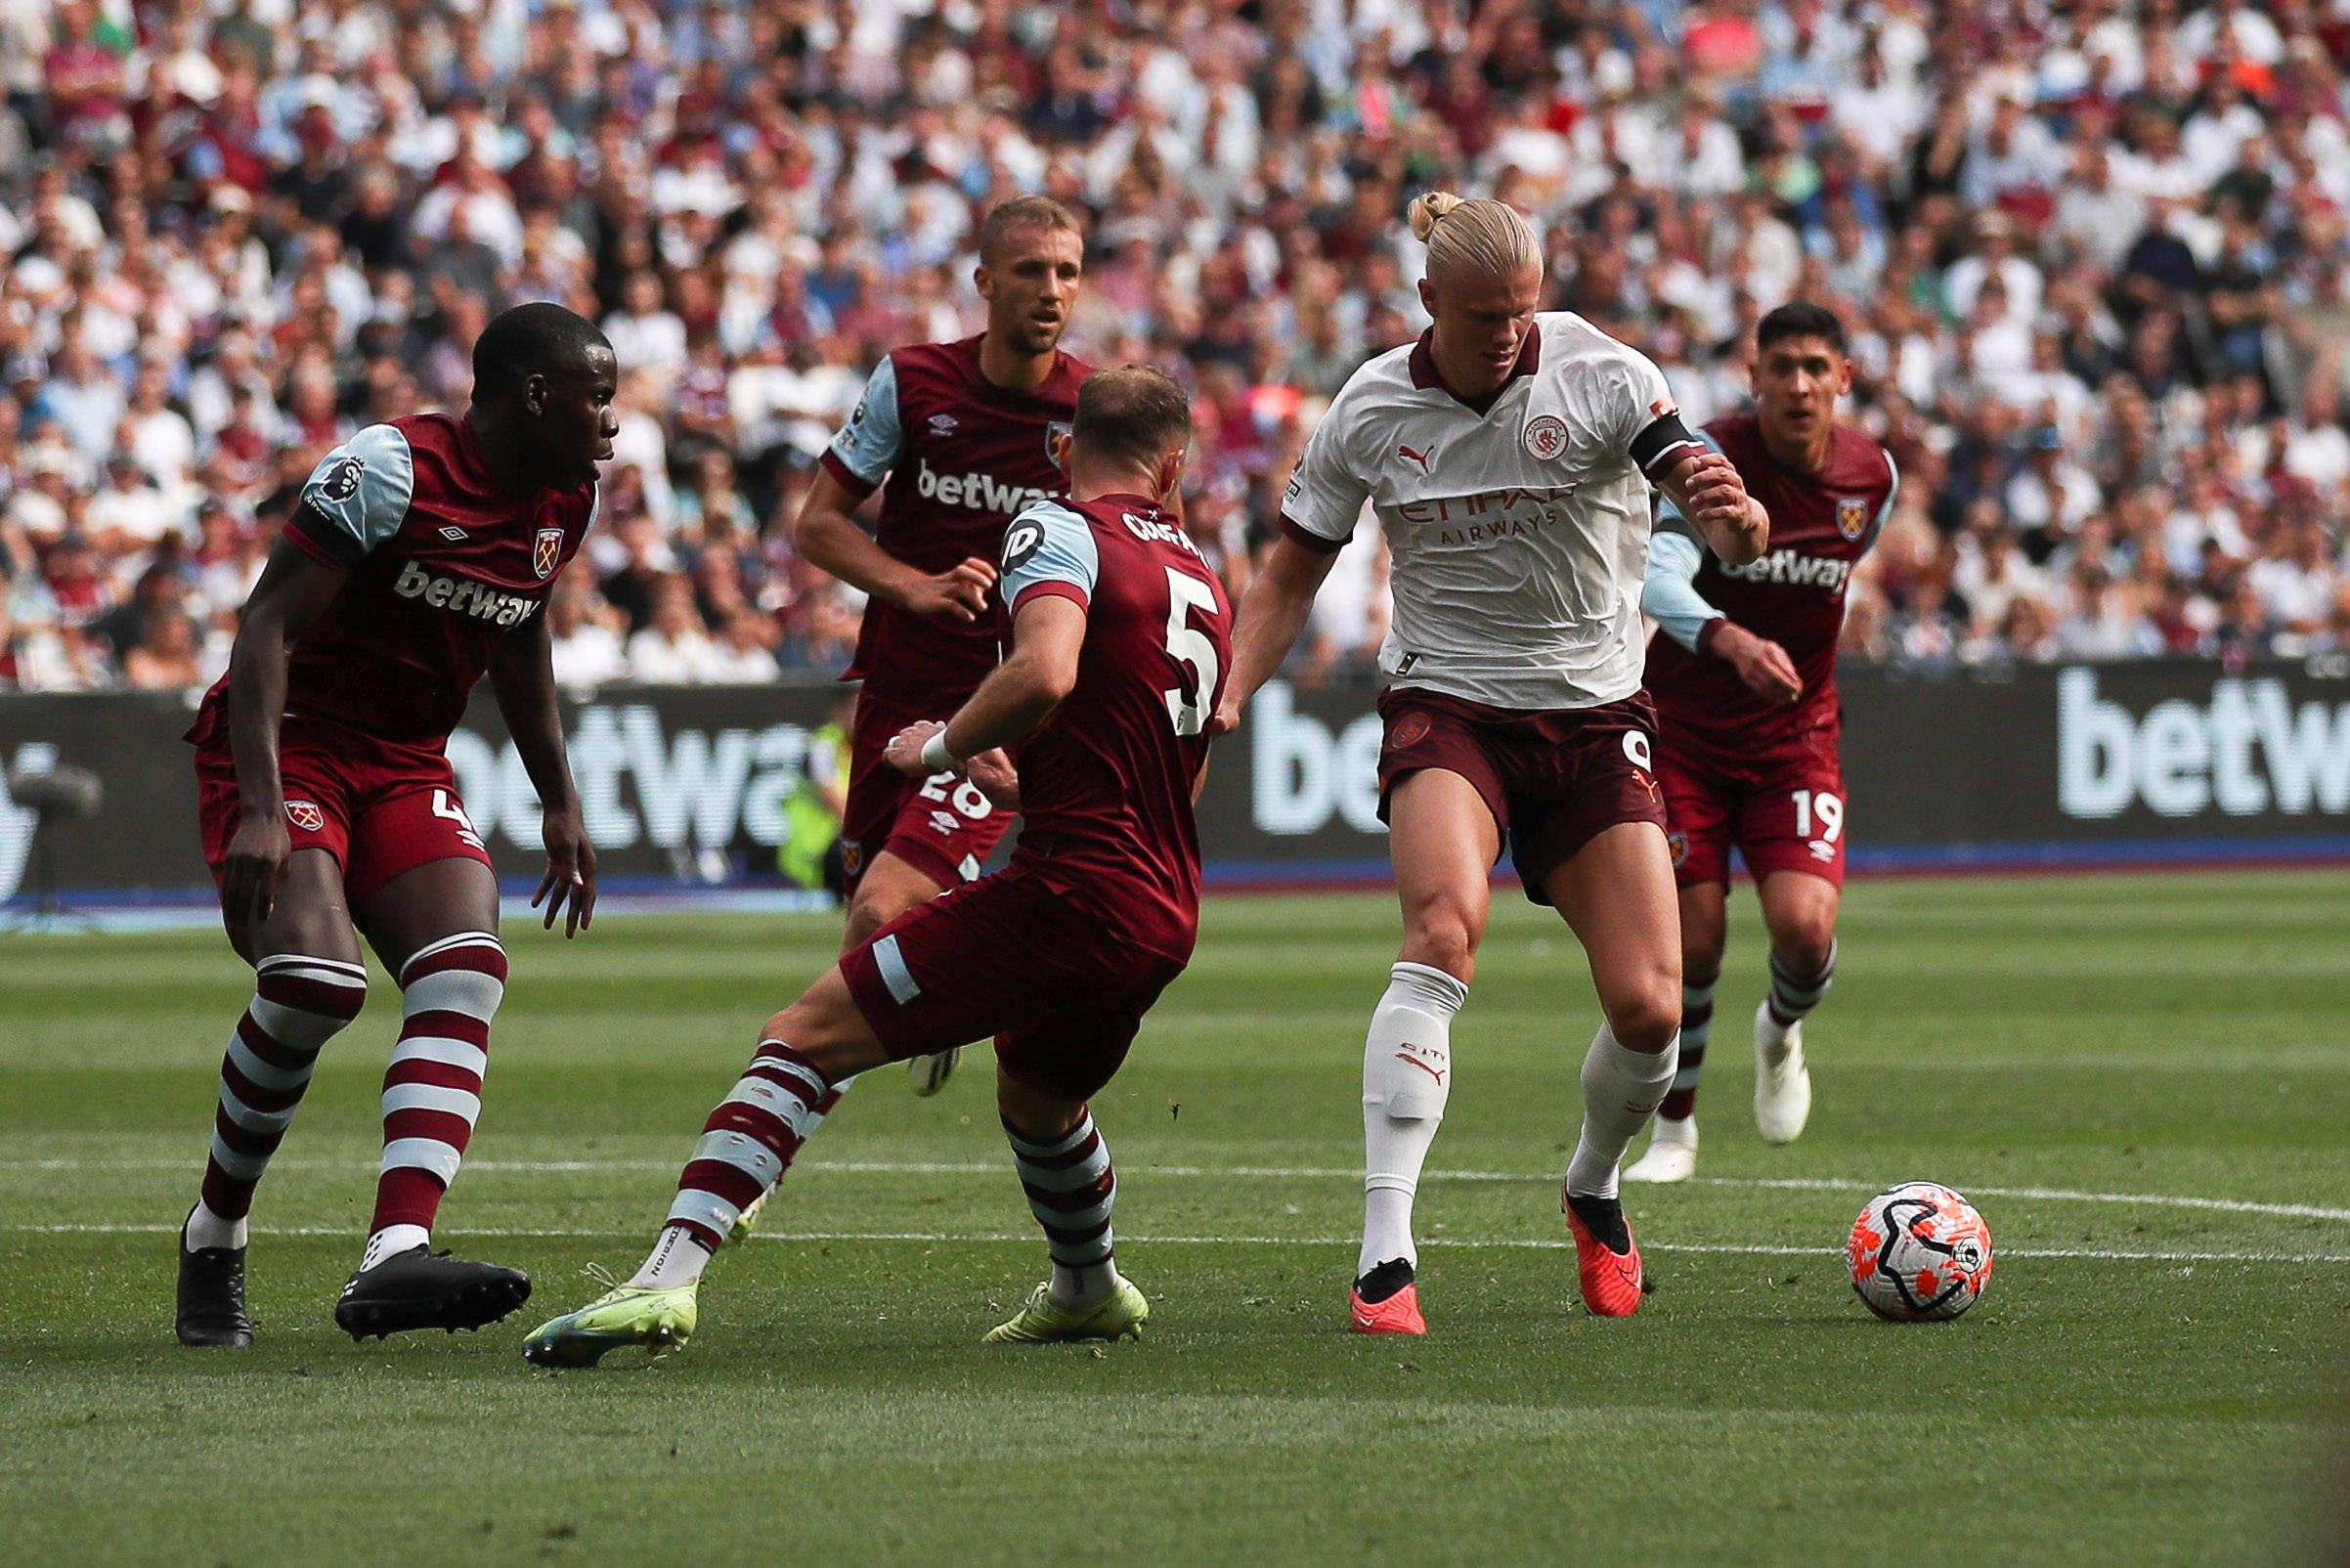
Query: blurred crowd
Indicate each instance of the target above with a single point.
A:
(2091, 260)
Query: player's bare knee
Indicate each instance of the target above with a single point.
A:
(1805, 948)
(874, 906)
(1442, 934)
(866, 917)
(1645, 1015)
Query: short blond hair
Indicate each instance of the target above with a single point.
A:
(1479, 237)
(1023, 212)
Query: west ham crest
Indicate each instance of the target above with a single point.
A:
(547, 552)
(1056, 443)
(1851, 516)
(306, 815)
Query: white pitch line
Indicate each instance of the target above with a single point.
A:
(1529, 1243)
(916, 1167)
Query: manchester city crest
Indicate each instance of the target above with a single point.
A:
(1545, 437)
(1851, 516)
(547, 552)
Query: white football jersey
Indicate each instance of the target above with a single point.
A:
(1518, 536)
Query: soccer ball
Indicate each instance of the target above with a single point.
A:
(1919, 1254)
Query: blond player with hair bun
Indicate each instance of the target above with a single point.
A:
(1508, 456)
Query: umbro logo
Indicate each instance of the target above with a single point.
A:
(1423, 459)
(453, 533)
(942, 424)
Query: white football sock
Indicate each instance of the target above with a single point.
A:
(207, 1229)
(1407, 1077)
(1621, 1090)
(392, 1240)
(677, 1259)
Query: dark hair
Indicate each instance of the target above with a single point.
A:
(1022, 212)
(1133, 414)
(1800, 318)
(528, 340)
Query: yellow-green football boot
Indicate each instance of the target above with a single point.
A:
(1044, 1320)
(747, 1220)
(625, 1315)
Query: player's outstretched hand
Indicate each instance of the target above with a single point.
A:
(250, 877)
(1760, 663)
(569, 887)
(1718, 504)
(905, 750)
(958, 593)
(992, 774)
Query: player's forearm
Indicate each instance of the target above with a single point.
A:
(1273, 615)
(832, 540)
(256, 707)
(524, 681)
(1008, 706)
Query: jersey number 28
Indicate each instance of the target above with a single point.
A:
(1188, 645)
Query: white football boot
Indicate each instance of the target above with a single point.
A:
(1782, 1080)
(929, 1073)
(1671, 1153)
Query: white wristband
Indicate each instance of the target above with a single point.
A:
(934, 754)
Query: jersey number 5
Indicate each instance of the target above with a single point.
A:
(1188, 645)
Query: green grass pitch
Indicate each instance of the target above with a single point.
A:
(2154, 1376)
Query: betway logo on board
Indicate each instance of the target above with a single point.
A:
(2246, 751)
(979, 491)
(674, 790)
(1301, 774)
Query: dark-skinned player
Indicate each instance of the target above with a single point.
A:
(417, 560)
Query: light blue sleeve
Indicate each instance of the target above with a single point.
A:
(869, 444)
(1885, 511)
(1669, 595)
(362, 487)
(1049, 544)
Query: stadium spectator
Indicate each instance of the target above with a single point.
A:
(2092, 266)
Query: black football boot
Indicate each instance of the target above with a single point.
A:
(420, 1288)
(211, 1294)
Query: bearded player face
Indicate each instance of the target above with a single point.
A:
(1031, 286)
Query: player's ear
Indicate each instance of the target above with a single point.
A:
(534, 393)
(1170, 472)
(1427, 296)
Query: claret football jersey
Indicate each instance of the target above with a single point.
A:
(961, 455)
(443, 565)
(1518, 531)
(1105, 781)
(1820, 526)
